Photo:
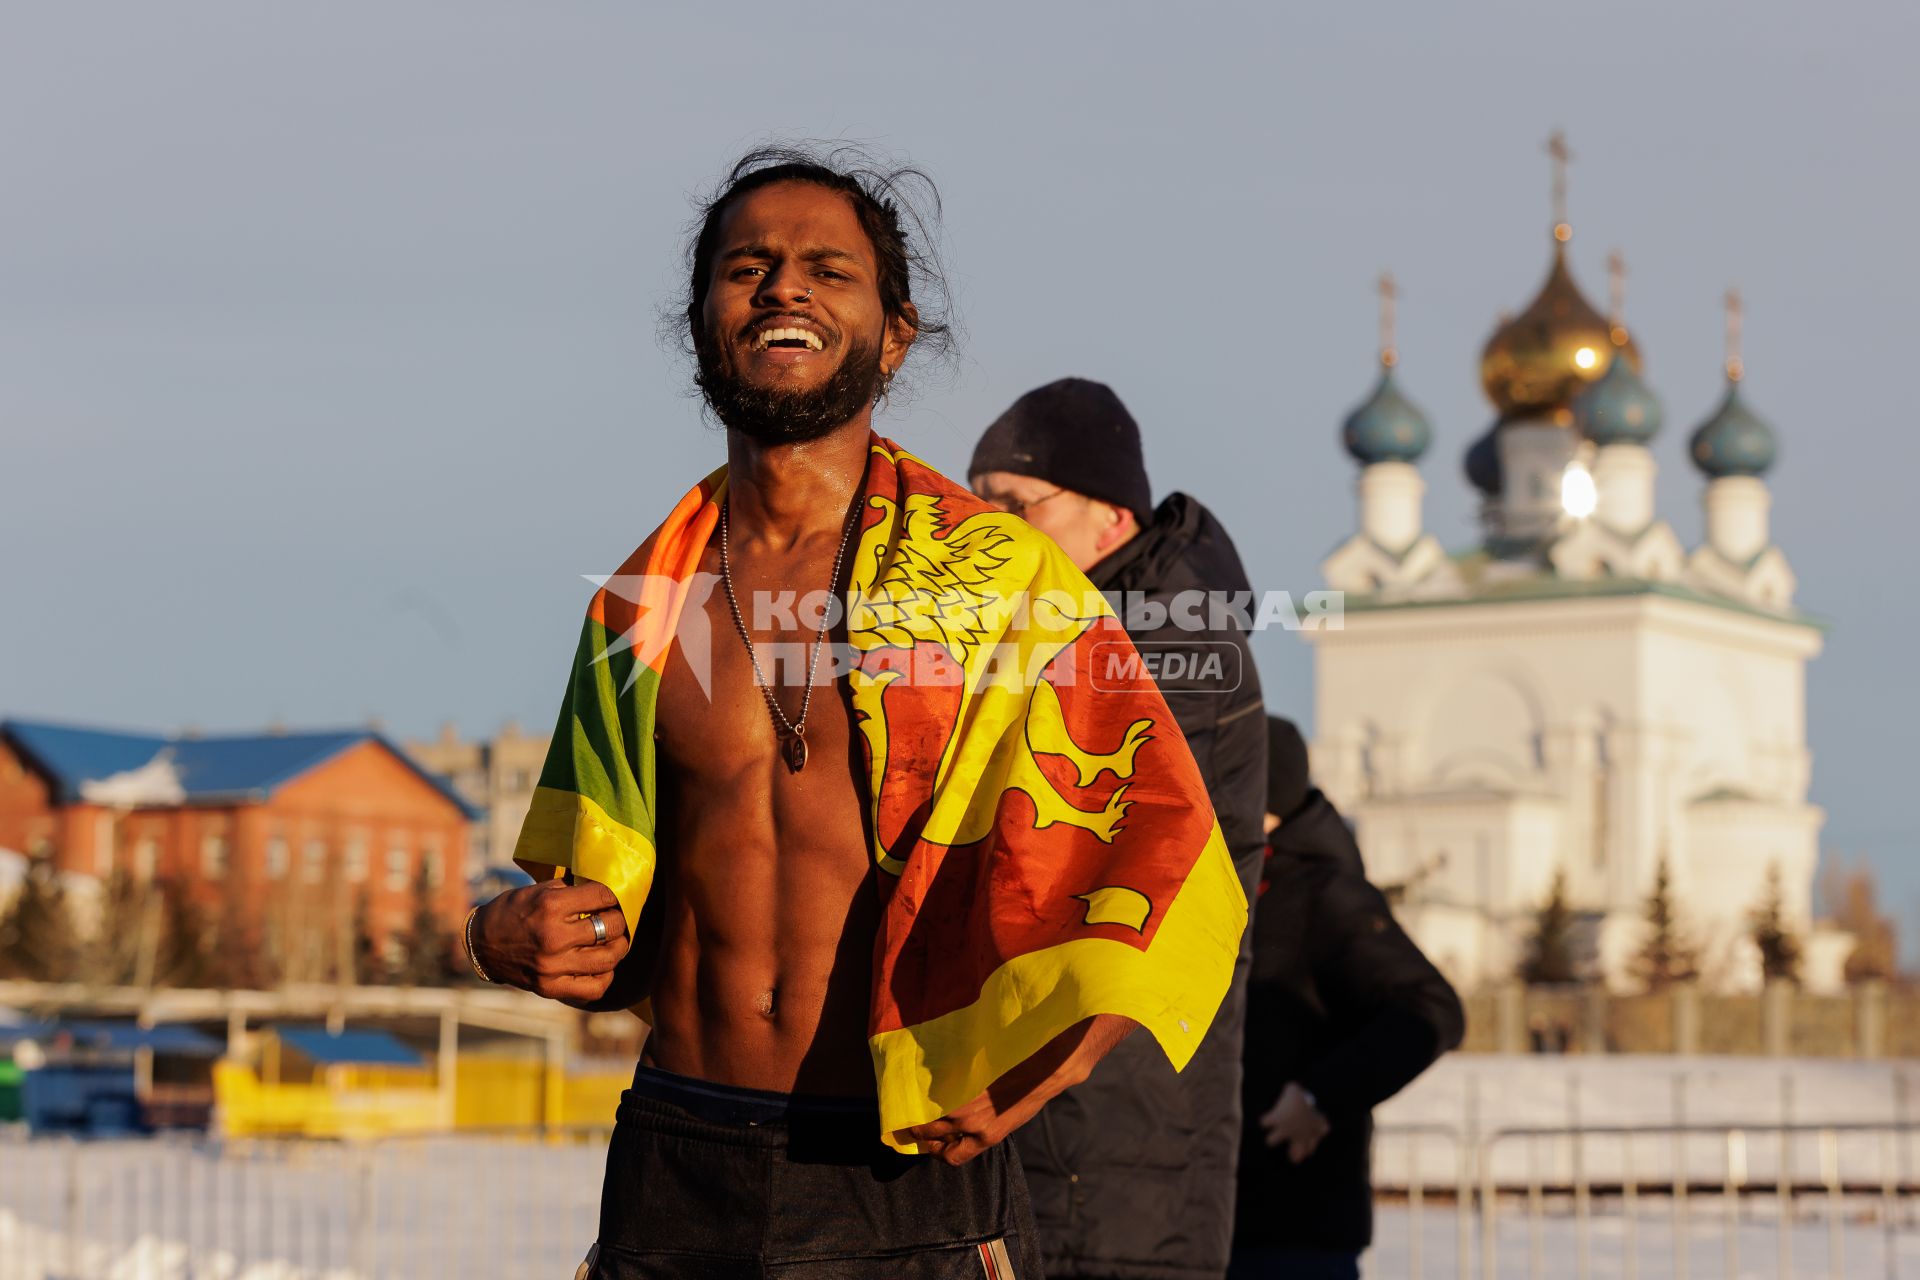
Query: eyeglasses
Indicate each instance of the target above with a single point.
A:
(1019, 506)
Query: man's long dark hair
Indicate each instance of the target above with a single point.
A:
(898, 207)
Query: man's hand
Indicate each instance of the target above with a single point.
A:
(1296, 1122)
(539, 938)
(1017, 1096)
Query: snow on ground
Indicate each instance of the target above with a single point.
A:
(165, 1210)
(494, 1209)
(1465, 1101)
(1507, 1090)
(1549, 1248)
(509, 1211)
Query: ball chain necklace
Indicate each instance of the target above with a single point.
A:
(792, 733)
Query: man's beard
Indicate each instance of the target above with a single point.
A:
(777, 415)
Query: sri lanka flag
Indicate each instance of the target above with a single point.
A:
(1042, 835)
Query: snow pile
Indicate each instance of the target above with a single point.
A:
(1466, 1103)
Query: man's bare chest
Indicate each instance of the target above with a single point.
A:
(757, 672)
(732, 798)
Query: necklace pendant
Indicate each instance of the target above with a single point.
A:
(793, 749)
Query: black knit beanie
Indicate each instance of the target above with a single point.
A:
(1287, 782)
(1076, 434)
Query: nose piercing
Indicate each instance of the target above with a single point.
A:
(806, 295)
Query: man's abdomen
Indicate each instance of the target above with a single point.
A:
(768, 990)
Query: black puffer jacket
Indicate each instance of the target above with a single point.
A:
(1342, 1002)
(1132, 1172)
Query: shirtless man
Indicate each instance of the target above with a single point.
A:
(749, 1144)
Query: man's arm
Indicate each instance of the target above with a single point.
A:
(539, 938)
(1016, 1097)
(1373, 976)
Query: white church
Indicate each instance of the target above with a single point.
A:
(1581, 694)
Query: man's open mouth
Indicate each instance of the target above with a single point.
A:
(787, 339)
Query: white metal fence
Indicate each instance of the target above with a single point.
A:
(1641, 1202)
(1650, 1202)
(492, 1208)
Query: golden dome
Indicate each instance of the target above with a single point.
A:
(1536, 363)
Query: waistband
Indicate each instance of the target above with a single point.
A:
(726, 1104)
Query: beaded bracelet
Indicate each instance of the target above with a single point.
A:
(473, 959)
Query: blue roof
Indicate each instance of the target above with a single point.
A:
(168, 1037)
(359, 1048)
(71, 754)
(494, 881)
(1387, 427)
(1484, 471)
(218, 768)
(11, 1033)
(236, 766)
(1617, 407)
(115, 1037)
(1735, 441)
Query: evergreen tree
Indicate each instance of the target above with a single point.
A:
(370, 967)
(183, 944)
(1779, 948)
(1550, 959)
(38, 941)
(1665, 958)
(429, 943)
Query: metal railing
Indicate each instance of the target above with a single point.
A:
(1632, 1201)
(1855, 1170)
(1625, 1202)
(1408, 1199)
(492, 1206)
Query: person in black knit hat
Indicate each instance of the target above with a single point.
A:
(1066, 458)
(1343, 1011)
(1132, 1172)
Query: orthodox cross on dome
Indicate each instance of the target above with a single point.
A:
(1736, 318)
(1557, 148)
(1617, 298)
(1389, 294)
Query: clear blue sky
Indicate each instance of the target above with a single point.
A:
(327, 332)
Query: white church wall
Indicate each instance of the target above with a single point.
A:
(1737, 686)
(1457, 857)
(1482, 747)
(1478, 850)
(1483, 730)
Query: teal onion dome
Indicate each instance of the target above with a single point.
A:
(1387, 428)
(1617, 408)
(1483, 463)
(1735, 441)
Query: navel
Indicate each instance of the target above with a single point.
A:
(765, 1004)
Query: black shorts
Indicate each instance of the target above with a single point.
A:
(706, 1182)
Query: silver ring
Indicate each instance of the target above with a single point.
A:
(806, 295)
(599, 928)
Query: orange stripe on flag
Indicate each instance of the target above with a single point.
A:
(649, 593)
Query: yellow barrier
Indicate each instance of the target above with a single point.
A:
(331, 1109)
(592, 1099)
(493, 1092)
(366, 1102)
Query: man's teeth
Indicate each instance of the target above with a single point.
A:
(767, 337)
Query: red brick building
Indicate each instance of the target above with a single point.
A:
(297, 832)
